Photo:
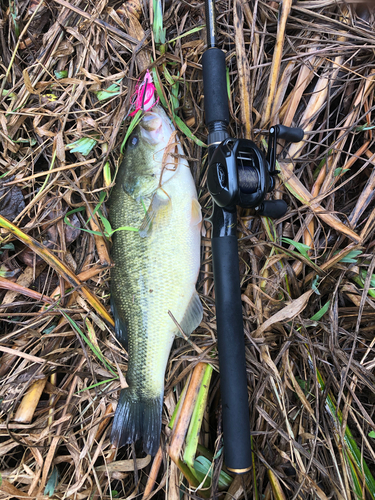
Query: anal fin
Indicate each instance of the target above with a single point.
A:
(193, 315)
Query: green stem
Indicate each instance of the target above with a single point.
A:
(197, 418)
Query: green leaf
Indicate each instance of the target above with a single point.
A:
(7, 94)
(371, 434)
(360, 280)
(159, 91)
(190, 32)
(15, 16)
(61, 74)
(356, 480)
(93, 386)
(108, 231)
(339, 171)
(125, 228)
(168, 76)
(111, 91)
(314, 285)
(30, 141)
(321, 164)
(96, 209)
(106, 224)
(7, 246)
(174, 95)
(353, 454)
(203, 467)
(351, 257)
(364, 127)
(79, 209)
(71, 212)
(301, 247)
(49, 329)
(83, 146)
(317, 316)
(4, 273)
(52, 482)
(185, 129)
(305, 386)
(157, 26)
(228, 84)
(107, 174)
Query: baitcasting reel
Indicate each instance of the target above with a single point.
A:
(239, 173)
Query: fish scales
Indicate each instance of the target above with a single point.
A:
(155, 271)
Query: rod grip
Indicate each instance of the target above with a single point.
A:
(215, 86)
(231, 347)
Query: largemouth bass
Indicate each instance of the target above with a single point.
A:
(155, 270)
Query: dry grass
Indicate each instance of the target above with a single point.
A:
(310, 380)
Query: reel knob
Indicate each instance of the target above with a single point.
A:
(272, 208)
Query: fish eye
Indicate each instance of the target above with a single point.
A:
(133, 141)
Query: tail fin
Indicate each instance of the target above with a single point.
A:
(137, 418)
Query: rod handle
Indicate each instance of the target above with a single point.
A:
(215, 86)
(231, 348)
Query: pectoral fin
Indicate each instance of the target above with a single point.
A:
(159, 202)
(196, 212)
(193, 315)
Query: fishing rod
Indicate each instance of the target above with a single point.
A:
(239, 174)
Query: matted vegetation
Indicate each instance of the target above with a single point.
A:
(68, 73)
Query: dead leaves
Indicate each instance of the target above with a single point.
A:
(287, 313)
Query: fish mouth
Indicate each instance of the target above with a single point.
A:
(152, 128)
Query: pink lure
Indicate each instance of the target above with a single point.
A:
(144, 95)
